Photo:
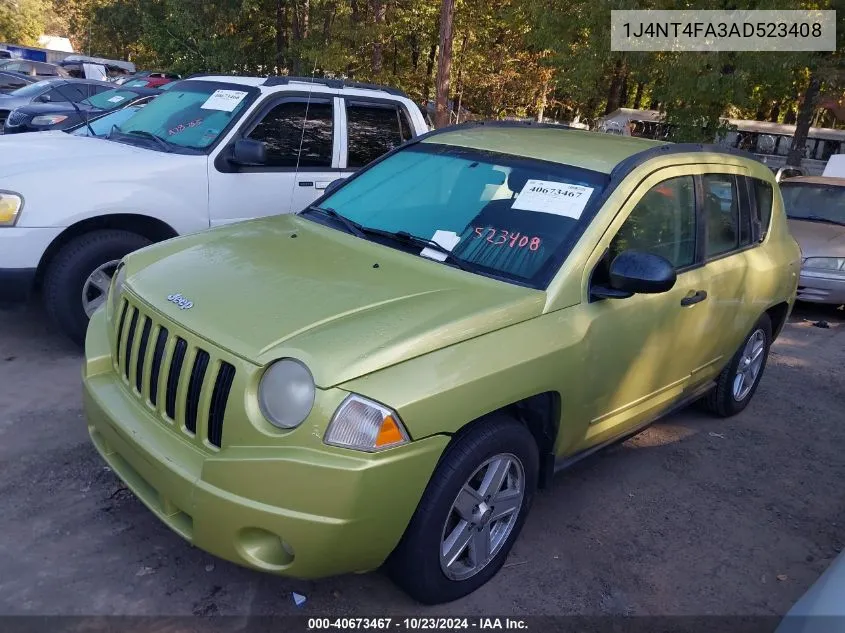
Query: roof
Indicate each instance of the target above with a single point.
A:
(229, 79)
(814, 180)
(310, 83)
(555, 143)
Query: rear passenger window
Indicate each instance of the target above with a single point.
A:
(764, 197)
(662, 223)
(721, 214)
(294, 124)
(374, 130)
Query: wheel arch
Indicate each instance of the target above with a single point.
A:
(152, 228)
(541, 415)
(777, 315)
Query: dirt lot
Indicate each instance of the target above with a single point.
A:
(694, 516)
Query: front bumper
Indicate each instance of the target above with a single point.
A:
(21, 250)
(821, 287)
(343, 512)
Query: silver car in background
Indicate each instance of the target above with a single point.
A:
(815, 208)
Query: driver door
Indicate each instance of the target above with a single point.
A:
(641, 351)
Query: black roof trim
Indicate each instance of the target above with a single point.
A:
(627, 165)
(337, 84)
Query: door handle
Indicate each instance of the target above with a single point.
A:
(692, 299)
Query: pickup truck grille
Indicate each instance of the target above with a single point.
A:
(186, 385)
(16, 118)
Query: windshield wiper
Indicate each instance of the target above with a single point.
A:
(353, 227)
(144, 134)
(815, 218)
(399, 236)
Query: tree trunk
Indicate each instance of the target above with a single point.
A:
(802, 125)
(415, 51)
(774, 114)
(281, 34)
(379, 11)
(331, 12)
(444, 62)
(638, 95)
(614, 94)
(429, 71)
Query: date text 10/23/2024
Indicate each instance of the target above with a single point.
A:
(417, 624)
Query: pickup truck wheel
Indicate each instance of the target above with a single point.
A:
(470, 514)
(737, 383)
(77, 279)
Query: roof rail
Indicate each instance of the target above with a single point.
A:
(339, 84)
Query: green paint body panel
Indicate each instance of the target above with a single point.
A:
(440, 346)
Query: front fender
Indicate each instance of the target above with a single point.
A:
(441, 392)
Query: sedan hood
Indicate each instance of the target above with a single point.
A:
(288, 287)
(34, 109)
(818, 239)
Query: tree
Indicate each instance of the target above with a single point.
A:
(22, 21)
(444, 62)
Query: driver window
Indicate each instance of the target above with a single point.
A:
(662, 223)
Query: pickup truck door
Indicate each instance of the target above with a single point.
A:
(302, 134)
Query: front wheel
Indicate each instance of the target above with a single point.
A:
(77, 279)
(470, 514)
(737, 383)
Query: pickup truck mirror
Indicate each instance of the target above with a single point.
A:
(246, 151)
(333, 185)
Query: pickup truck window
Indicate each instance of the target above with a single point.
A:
(293, 122)
(374, 129)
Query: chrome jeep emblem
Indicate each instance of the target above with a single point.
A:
(183, 302)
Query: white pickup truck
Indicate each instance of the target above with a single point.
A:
(209, 151)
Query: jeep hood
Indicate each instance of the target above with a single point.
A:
(289, 287)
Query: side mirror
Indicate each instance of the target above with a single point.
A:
(44, 99)
(636, 272)
(249, 152)
(333, 185)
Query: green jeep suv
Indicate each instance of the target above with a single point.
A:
(390, 375)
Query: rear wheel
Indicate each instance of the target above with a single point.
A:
(77, 279)
(738, 381)
(470, 515)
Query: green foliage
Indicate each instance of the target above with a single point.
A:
(22, 21)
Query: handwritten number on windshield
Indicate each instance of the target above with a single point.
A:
(183, 126)
(504, 237)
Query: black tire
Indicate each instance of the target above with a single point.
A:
(415, 563)
(67, 272)
(721, 400)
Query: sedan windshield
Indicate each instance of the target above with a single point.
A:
(191, 116)
(817, 202)
(32, 90)
(104, 124)
(499, 215)
(110, 99)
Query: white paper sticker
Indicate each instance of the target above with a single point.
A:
(547, 196)
(117, 99)
(446, 239)
(224, 100)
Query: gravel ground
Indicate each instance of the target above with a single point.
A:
(695, 516)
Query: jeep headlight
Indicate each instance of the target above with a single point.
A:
(365, 425)
(286, 393)
(825, 263)
(10, 206)
(117, 283)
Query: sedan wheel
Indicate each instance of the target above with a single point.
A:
(96, 287)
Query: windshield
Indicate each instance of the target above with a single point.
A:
(109, 99)
(814, 201)
(103, 125)
(192, 115)
(32, 90)
(509, 217)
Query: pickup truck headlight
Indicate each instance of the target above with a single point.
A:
(286, 393)
(825, 263)
(48, 119)
(10, 206)
(365, 425)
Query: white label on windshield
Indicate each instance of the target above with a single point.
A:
(225, 100)
(116, 99)
(446, 239)
(547, 196)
